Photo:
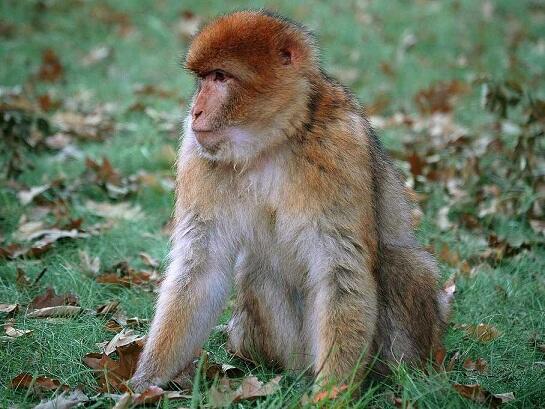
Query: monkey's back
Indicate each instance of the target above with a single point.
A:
(410, 318)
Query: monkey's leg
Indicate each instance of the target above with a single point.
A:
(410, 322)
(191, 297)
(267, 318)
(342, 321)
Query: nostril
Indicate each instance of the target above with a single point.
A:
(197, 114)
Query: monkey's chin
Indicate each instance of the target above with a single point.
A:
(234, 146)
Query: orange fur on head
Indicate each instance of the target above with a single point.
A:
(251, 42)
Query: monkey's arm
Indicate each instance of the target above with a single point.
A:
(344, 308)
(192, 295)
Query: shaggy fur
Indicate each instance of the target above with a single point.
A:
(301, 210)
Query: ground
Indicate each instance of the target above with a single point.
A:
(455, 90)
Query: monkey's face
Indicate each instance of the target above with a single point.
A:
(251, 70)
(234, 120)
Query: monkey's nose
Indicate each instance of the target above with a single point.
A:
(197, 114)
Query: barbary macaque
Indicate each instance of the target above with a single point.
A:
(284, 191)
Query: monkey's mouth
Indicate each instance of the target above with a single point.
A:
(209, 140)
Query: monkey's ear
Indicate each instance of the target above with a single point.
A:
(292, 54)
(286, 56)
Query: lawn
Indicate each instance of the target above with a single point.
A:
(91, 100)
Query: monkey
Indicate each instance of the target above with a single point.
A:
(284, 192)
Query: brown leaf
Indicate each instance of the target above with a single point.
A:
(329, 394)
(439, 356)
(187, 25)
(47, 237)
(538, 226)
(108, 15)
(64, 400)
(122, 210)
(9, 309)
(27, 196)
(89, 265)
(480, 365)
(153, 90)
(477, 393)
(123, 338)
(452, 361)
(481, 332)
(47, 103)
(440, 97)
(97, 54)
(104, 172)
(50, 299)
(213, 369)
(118, 371)
(51, 69)
(27, 229)
(416, 163)
(148, 260)
(61, 311)
(448, 256)
(37, 385)
(94, 126)
(221, 394)
(108, 308)
(59, 141)
(251, 388)
(151, 395)
(14, 332)
(124, 275)
(21, 279)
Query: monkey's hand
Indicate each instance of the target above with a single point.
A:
(139, 383)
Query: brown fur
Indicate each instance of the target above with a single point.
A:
(313, 226)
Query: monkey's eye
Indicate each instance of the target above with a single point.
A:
(219, 76)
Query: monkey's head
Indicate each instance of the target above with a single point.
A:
(253, 71)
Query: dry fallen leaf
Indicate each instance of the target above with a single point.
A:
(250, 388)
(123, 210)
(481, 332)
(14, 332)
(449, 256)
(187, 25)
(9, 309)
(27, 229)
(477, 393)
(538, 226)
(113, 374)
(62, 311)
(440, 97)
(480, 365)
(21, 279)
(108, 308)
(94, 126)
(89, 265)
(27, 196)
(64, 401)
(148, 260)
(329, 394)
(221, 394)
(150, 396)
(37, 385)
(50, 299)
(123, 338)
(51, 69)
(123, 274)
(96, 55)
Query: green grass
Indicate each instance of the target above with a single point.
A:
(354, 35)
